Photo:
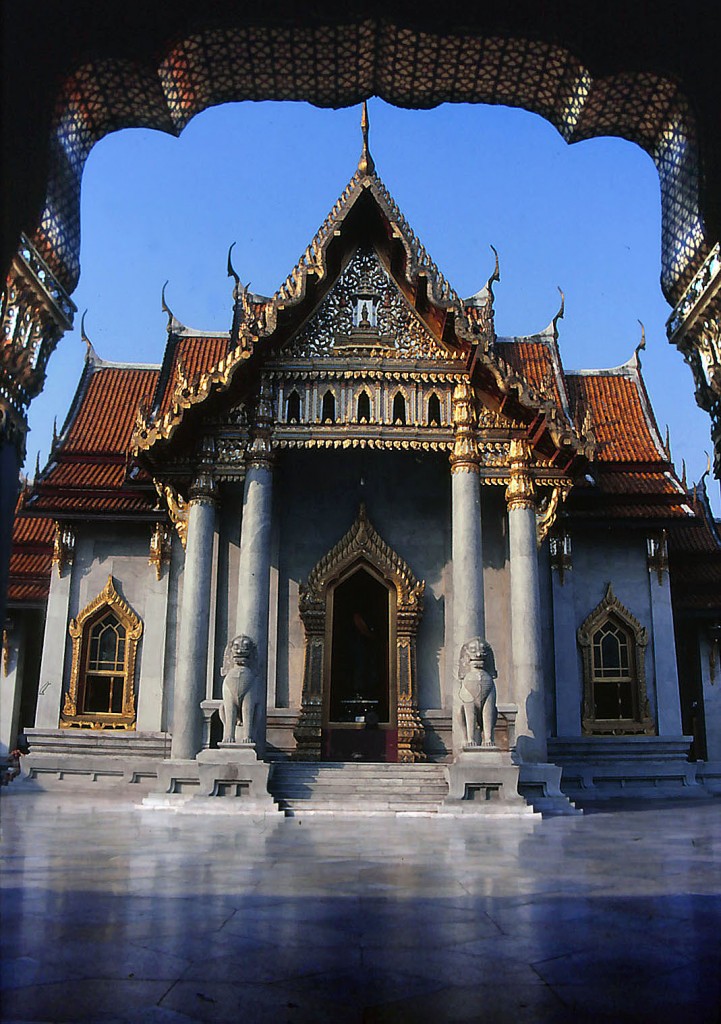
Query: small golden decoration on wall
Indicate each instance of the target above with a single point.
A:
(63, 546)
(178, 509)
(160, 547)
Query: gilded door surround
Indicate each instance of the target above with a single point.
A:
(361, 547)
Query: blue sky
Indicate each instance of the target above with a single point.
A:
(264, 175)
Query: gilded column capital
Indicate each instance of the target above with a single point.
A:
(204, 489)
(521, 491)
(260, 449)
(465, 455)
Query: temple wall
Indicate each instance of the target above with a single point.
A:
(407, 497)
(497, 586)
(602, 558)
(123, 554)
(711, 686)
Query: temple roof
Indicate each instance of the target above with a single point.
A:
(88, 473)
(364, 214)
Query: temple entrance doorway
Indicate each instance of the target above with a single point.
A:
(360, 608)
(359, 721)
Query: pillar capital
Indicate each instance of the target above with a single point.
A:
(465, 455)
(521, 490)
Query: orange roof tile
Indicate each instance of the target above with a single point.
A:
(106, 417)
(534, 361)
(622, 430)
(197, 355)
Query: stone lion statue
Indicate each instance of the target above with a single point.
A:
(238, 674)
(476, 673)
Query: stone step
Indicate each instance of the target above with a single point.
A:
(358, 788)
(291, 807)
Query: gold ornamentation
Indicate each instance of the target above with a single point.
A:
(160, 547)
(546, 515)
(399, 332)
(178, 509)
(63, 546)
(465, 455)
(521, 492)
(108, 598)
(6, 652)
(608, 609)
(360, 544)
(657, 555)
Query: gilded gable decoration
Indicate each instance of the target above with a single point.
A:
(364, 313)
(105, 638)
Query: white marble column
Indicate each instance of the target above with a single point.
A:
(466, 536)
(56, 641)
(525, 609)
(254, 576)
(12, 664)
(255, 554)
(190, 677)
(663, 644)
(569, 682)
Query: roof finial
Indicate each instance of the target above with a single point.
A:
(365, 164)
(166, 309)
(561, 311)
(232, 273)
(90, 354)
(684, 482)
(641, 345)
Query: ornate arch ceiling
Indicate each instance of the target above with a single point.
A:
(76, 71)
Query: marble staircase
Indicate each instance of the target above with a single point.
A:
(358, 788)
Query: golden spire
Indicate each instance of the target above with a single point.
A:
(365, 164)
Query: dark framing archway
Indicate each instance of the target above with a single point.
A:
(74, 72)
(633, 73)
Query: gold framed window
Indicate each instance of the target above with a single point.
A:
(102, 678)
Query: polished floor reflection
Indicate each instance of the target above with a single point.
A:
(114, 914)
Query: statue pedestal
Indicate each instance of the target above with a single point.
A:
(483, 780)
(232, 770)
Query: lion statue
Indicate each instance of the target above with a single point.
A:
(476, 672)
(238, 674)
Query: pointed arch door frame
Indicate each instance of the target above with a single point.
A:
(361, 548)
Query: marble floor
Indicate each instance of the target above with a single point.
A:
(113, 913)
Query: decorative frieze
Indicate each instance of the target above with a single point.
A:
(364, 312)
(35, 311)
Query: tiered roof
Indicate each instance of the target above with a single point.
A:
(122, 411)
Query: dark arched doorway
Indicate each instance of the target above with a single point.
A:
(359, 720)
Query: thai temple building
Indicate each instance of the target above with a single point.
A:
(359, 551)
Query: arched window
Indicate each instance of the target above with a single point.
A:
(102, 679)
(328, 411)
(104, 676)
(399, 409)
(614, 685)
(434, 411)
(364, 407)
(292, 408)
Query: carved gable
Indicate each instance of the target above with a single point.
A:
(365, 312)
